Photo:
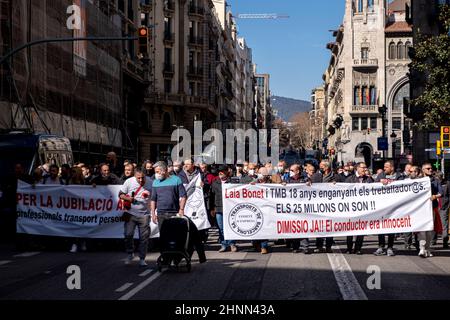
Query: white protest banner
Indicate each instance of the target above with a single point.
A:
(69, 211)
(87, 212)
(272, 211)
(195, 207)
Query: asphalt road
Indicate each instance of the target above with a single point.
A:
(280, 275)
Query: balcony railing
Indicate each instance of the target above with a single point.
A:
(168, 68)
(194, 40)
(194, 71)
(196, 10)
(364, 63)
(169, 37)
(373, 109)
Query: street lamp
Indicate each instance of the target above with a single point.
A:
(393, 137)
(383, 110)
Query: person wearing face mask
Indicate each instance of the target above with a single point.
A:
(295, 176)
(346, 173)
(216, 206)
(250, 177)
(359, 177)
(312, 175)
(327, 177)
(263, 177)
(177, 167)
(279, 173)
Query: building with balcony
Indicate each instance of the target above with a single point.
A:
(182, 77)
(367, 70)
(199, 70)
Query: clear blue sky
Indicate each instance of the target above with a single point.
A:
(291, 50)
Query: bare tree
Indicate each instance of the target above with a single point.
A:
(300, 130)
(284, 132)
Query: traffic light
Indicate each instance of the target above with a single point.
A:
(144, 36)
(438, 148)
(445, 137)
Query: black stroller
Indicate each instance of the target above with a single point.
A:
(175, 242)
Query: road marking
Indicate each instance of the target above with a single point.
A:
(26, 254)
(141, 286)
(124, 287)
(146, 272)
(3, 262)
(346, 280)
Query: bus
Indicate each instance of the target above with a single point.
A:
(32, 150)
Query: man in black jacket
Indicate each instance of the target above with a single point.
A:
(105, 177)
(295, 176)
(359, 177)
(389, 174)
(216, 206)
(327, 177)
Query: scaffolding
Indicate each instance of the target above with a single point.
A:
(71, 89)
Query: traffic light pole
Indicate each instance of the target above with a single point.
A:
(32, 43)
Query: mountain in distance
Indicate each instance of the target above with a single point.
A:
(287, 107)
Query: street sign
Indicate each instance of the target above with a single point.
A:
(383, 143)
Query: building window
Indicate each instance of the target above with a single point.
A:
(130, 11)
(364, 53)
(144, 19)
(402, 93)
(373, 123)
(370, 5)
(400, 51)
(392, 51)
(357, 96)
(143, 120)
(396, 123)
(355, 124)
(364, 124)
(166, 123)
(191, 59)
(373, 95)
(167, 25)
(192, 88)
(167, 86)
(191, 29)
(365, 96)
(121, 5)
(167, 56)
(360, 5)
(407, 46)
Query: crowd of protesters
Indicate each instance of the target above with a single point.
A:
(164, 184)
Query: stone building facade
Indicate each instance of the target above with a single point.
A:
(368, 70)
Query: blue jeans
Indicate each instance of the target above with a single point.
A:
(225, 243)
